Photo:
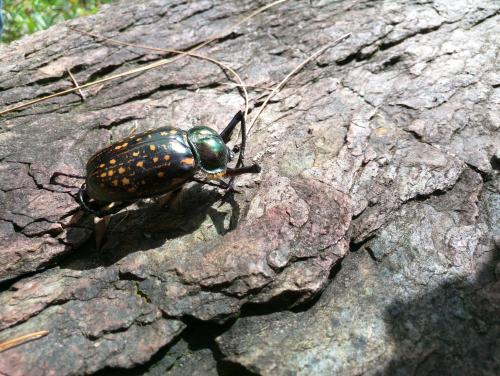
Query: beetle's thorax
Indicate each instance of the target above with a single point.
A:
(212, 154)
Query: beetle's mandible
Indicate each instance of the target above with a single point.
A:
(159, 161)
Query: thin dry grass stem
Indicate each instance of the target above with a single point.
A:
(121, 221)
(89, 84)
(255, 87)
(22, 339)
(191, 54)
(294, 71)
(230, 29)
(76, 84)
(147, 67)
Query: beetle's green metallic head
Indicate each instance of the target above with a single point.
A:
(210, 150)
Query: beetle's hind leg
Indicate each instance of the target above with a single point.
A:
(97, 208)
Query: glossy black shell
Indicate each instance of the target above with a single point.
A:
(140, 166)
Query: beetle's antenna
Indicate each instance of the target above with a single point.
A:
(294, 71)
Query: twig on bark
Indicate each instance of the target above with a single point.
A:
(76, 85)
(294, 71)
(255, 87)
(22, 339)
(159, 49)
(147, 67)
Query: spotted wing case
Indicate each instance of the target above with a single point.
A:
(143, 165)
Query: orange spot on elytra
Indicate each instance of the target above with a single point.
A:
(110, 173)
(160, 174)
(115, 183)
(135, 153)
(125, 181)
(152, 147)
(155, 159)
(140, 164)
(121, 170)
(102, 165)
(173, 131)
(124, 144)
(166, 157)
(187, 161)
(131, 189)
(118, 147)
(163, 133)
(103, 175)
(113, 161)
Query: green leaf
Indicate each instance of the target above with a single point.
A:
(22, 17)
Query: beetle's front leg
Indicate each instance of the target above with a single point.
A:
(241, 154)
(253, 169)
(232, 172)
(228, 187)
(226, 133)
(220, 183)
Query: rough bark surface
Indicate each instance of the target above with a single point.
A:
(387, 142)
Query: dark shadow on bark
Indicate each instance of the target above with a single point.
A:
(182, 356)
(201, 335)
(455, 330)
(287, 301)
(150, 226)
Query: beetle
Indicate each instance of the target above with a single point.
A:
(160, 161)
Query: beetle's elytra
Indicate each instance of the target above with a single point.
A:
(157, 162)
(141, 166)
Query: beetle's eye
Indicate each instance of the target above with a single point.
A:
(209, 149)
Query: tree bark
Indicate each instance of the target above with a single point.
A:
(386, 144)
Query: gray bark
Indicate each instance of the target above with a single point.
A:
(386, 144)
